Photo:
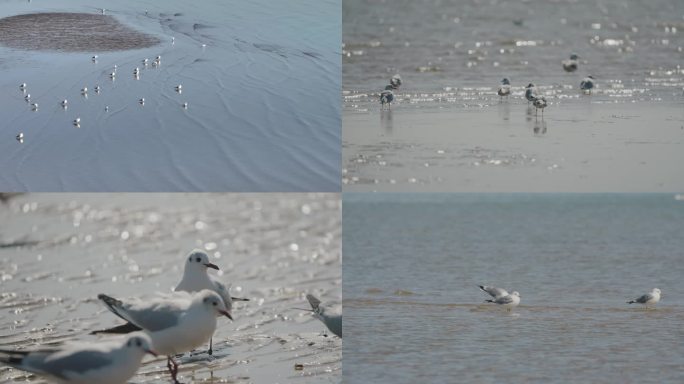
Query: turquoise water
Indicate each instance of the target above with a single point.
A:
(413, 311)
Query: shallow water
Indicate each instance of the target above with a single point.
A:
(413, 311)
(454, 52)
(263, 101)
(57, 252)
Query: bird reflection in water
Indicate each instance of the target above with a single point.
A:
(539, 127)
(386, 121)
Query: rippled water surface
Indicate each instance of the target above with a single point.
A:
(57, 252)
(260, 79)
(414, 313)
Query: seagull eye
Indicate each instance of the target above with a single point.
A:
(138, 343)
(215, 303)
(198, 259)
(190, 259)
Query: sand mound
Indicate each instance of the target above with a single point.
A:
(71, 32)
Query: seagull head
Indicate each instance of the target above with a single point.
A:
(574, 56)
(214, 302)
(505, 81)
(656, 290)
(199, 260)
(590, 77)
(515, 293)
(530, 85)
(140, 342)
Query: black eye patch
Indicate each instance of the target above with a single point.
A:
(198, 259)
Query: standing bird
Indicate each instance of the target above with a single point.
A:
(587, 84)
(539, 103)
(196, 278)
(386, 97)
(501, 297)
(505, 88)
(329, 314)
(65, 103)
(176, 323)
(110, 362)
(570, 65)
(395, 81)
(530, 92)
(649, 298)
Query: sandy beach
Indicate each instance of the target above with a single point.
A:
(57, 252)
(261, 82)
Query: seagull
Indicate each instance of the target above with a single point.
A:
(649, 298)
(84, 90)
(64, 103)
(395, 81)
(179, 87)
(185, 105)
(330, 315)
(587, 84)
(196, 278)
(103, 11)
(34, 106)
(145, 61)
(106, 108)
(501, 297)
(77, 122)
(173, 40)
(539, 103)
(505, 88)
(176, 323)
(20, 137)
(27, 97)
(136, 71)
(158, 58)
(530, 92)
(493, 291)
(97, 89)
(570, 65)
(142, 101)
(386, 97)
(22, 86)
(94, 58)
(112, 75)
(111, 362)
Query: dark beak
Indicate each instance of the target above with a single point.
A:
(210, 265)
(151, 352)
(226, 313)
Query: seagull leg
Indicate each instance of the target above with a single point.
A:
(173, 369)
(211, 349)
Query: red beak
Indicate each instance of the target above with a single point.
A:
(151, 352)
(213, 266)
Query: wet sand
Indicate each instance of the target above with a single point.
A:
(71, 32)
(581, 146)
(57, 252)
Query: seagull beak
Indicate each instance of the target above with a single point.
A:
(151, 352)
(226, 313)
(213, 266)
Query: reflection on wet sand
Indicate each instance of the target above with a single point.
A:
(539, 127)
(71, 32)
(386, 121)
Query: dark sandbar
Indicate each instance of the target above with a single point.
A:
(71, 32)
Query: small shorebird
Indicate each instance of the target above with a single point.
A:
(530, 92)
(97, 89)
(395, 81)
(145, 61)
(587, 84)
(386, 97)
(112, 75)
(65, 103)
(94, 58)
(185, 105)
(106, 108)
(77, 122)
(20, 137)
(136, 71)
(27, 97)
(142, 101)
(22, 86)
(539, 103)
(570, 65)
(84, 90)
(649, 298)
(34, 106)
(179, 88)
(505, 88)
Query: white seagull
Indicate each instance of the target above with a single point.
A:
(64, 103)
(649, 298)
(34, 106)
(570, 65)
(176, 323)
(501, 297)
(196, 278)
(329, 314)
(587, 84)
(142, 101)
(22, 86)
(112, 362)
(20, 137)
(395, 81)
(27, 97)
(505, 88)
(185, 105)
(77, 122)
(84, 90)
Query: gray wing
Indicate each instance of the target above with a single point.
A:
(504, 300)
(643, 299)
(334, 324)
(494, 291)
(224, 292)
(78, 362)
(157, 317)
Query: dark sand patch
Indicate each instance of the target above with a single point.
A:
(71, 32)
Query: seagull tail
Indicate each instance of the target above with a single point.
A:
(313, 301)
(631, 302)
(12, 358)
(121, 329)
(489, 301)
(112, 304)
